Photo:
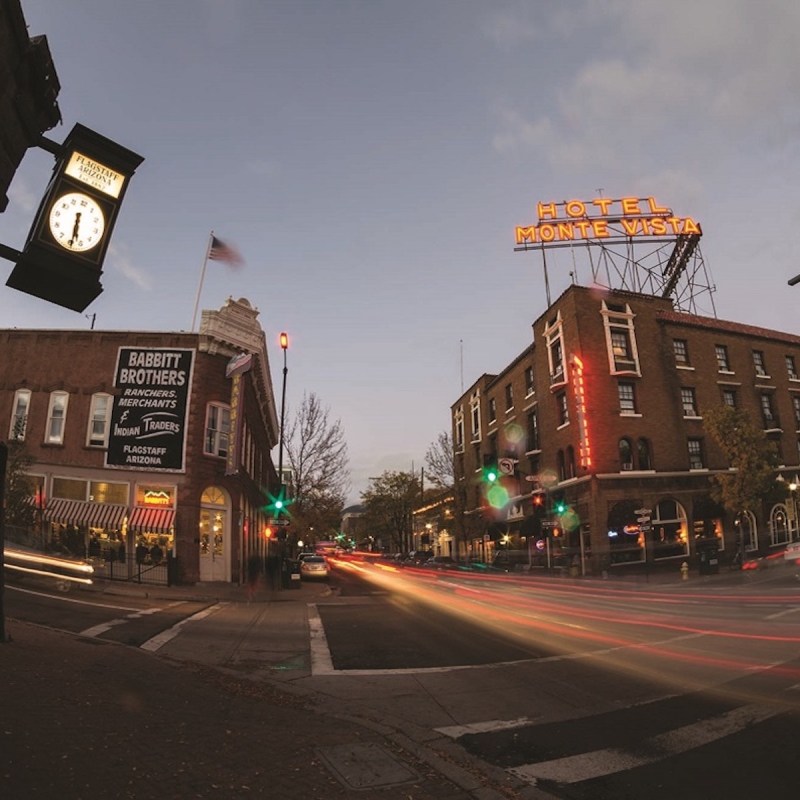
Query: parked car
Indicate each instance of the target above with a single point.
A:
(302, 556)
(314, 567)
(440, 562)
(417, 557)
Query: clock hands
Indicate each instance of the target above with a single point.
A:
(75, 228)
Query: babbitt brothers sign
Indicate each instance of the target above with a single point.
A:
(148, 418)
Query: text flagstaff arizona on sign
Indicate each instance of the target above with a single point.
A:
(148, 417)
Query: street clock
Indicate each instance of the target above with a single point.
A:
(62, 260)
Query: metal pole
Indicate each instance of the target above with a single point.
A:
(3, 462)
(284, 346)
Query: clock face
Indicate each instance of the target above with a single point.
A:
(77, 222)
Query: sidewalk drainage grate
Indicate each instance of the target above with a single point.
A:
(365, 766)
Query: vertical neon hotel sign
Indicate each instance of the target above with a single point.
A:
(579, 388)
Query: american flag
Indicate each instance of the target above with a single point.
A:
(224, 252)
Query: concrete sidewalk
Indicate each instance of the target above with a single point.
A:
(87, 718)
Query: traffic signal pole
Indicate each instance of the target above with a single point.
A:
(3, 463)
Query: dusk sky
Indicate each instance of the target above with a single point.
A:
(370, 160)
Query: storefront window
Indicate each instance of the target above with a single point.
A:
(670, 530)
(69, 488)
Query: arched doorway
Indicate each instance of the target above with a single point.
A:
(215, 547)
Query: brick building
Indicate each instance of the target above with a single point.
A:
(149, 443)
(603, 413)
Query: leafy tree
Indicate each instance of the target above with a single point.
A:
(317, 455)
(749, 453)
(439, 460)
(388, 502)
(19, 486)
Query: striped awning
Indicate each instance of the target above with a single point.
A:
(79, 512)
(151, 520)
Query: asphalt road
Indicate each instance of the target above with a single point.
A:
(581, 689)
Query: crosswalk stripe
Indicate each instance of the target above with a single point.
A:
(584, 767)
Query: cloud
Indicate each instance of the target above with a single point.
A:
(120, 261)
(685, 79)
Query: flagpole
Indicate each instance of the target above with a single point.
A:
(202, 278)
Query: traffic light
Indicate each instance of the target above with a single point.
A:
(267, 533)
(278, 505)
(490, 471)
(559, 505)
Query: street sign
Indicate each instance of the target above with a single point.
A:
(643, 511)
(506, 466)
(646, 528)
(278, 522)
(643, 518)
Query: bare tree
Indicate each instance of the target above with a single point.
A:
(439, 460)
(317, 455)
(388, 503)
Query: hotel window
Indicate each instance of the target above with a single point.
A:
(218, 429)
(767, 410)
(643, 451)
(99, 417)
(19, 419)
(796, 407)
(625, 454)
(475, 415)
(681, 349)
(791, 369)
(460, 429)
(555, 350)
(729, 397)
(563, 411)
(695, 453)
(533, 431)
(56, 418)
(509, 397)
(492, 409)
(529, 381)
(627, 398)
(758, 363)
(570, 465)
(688, 402)
(722, 358)
(620, 338)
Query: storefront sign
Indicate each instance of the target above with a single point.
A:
(148, 419)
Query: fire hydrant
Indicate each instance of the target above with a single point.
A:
(685, 571)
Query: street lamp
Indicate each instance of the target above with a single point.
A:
(284, 340)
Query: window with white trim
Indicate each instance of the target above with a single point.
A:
(758, 363)
(218, 429)
(623, 355)
(723, 364)
(56, 417)
(555, 350)
(529, 385)
(99, 419)
(19, 416)
(791, 369)
(688, 401)
(475, 415)
(695, 447)
(492, 409)
(681, 350)
(459, 424)
(627, 398)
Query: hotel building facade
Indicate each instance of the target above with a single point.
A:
(596, 434)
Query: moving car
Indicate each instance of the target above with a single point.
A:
(314, 567)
